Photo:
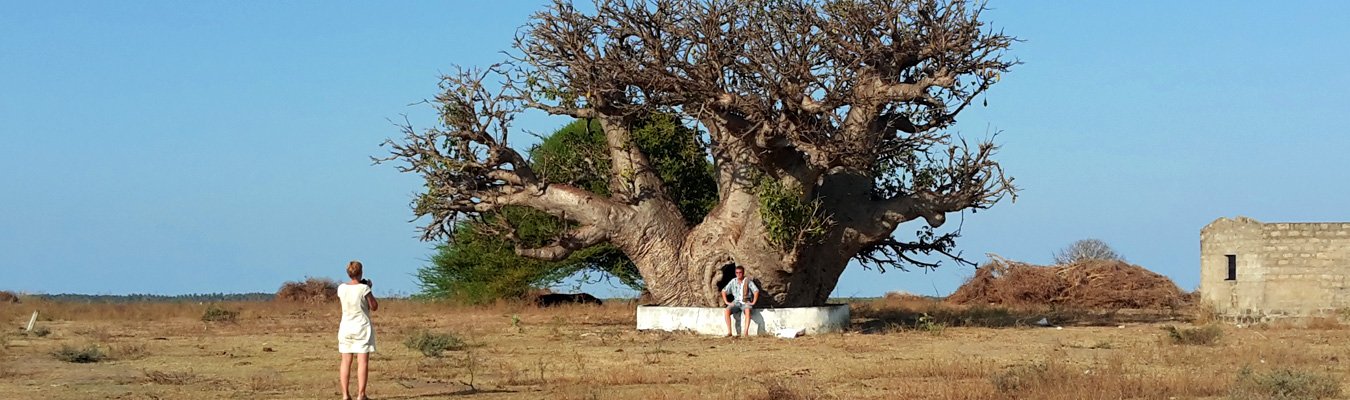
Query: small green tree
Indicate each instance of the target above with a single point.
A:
(480, 263)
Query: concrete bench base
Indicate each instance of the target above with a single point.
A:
(711, 321)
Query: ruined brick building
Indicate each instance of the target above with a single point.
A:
(1254, 269)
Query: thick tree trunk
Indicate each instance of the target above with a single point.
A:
(692, 270)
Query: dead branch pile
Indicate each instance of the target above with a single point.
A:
(8, 297)
(312, 291)
(1089, 284)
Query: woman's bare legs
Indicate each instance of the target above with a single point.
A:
(344, 374)
(362, 364)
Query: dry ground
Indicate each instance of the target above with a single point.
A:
(908, 349)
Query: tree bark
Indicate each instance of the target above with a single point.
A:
(690, 270)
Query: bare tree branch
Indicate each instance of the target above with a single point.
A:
(468, 166)
(570, 241)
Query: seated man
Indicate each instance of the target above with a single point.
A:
(739, 288)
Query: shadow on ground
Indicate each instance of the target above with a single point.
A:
(881, 317)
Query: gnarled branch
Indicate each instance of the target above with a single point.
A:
(569, 242)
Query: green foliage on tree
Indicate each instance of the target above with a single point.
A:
(479, 263)
(789, 220)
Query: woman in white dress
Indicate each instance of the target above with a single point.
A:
(355, 334)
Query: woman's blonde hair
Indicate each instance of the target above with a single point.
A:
(354, 269)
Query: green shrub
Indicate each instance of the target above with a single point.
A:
(218, 314)
(930, 324)
(1284, 384)
(1206, 335)
(790, 220)
(433, 344)
(73, 354)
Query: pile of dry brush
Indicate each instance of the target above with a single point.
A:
(312, 291)
(1089, 284)
(8, 297)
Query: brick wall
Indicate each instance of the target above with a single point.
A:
(1282, 268)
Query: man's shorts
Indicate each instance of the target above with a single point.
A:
(737, 306)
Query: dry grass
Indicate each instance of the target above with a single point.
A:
(1055, 379)
(587, 352)
(1323, 323)
(169, 377)
(128, 351)
(265, 381)
(434, 344)
(1284, 383)
(1202, 312)
(97, 333)
(1205, 335)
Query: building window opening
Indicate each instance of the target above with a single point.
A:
(1232, 267)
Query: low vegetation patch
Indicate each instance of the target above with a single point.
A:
(75, 354)
(782, 389)
(928, 323)
(1025, 377)
(265, 382)
(1054, 380)
(1324, 323)
(1205, 335)
(216, 313)
(169, 378)
(433, 344)
(40, 331)
(128, 351)
(1284, 384)
(8, 297)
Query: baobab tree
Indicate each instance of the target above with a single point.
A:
(827, 124)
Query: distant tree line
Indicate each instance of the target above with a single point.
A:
(135, 298)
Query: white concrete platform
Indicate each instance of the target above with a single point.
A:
(767, 321)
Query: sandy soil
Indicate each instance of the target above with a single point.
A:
(281, 351)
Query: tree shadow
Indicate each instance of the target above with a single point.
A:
(878, 317)
(461, 392)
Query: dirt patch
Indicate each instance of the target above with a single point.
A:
(516, 351)
(1091, 284)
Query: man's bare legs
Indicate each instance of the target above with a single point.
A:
(362, 364)
(727, 311)
(344, 374)
(746, 331)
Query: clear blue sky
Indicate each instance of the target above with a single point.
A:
(186, 147)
